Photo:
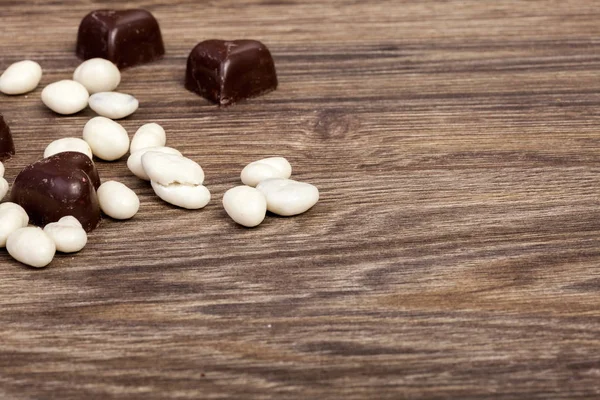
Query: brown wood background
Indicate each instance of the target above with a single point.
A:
(455, 251)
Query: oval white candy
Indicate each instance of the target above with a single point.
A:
(68, 144)
(68, 234)
(113, 105)
(98, 75)
(117, 200)
(1, 169)
(170, 168)
(185, 196)
(134, 162)
(271, 167)
(3, 187)
(12, 217)
(148, 135)
(245, 205)
(107, 138)
(31, 246)
(65, 97)
(20, 77)
(287, 197)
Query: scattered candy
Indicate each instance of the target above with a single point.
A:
(107, 138)
(272, 167)
(148, 135)
(117, 200)
(191, 197)
(125, 37)
(12, 217)
(245, 205)
(68, 144)
(98, 75)
(287, 197)
(65, 97)
(68, 234)
(31, 246)
(21, 77)
(225, 72)
(134, 162)
(113, 105)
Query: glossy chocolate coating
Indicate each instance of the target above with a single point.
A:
(125, 37)
(228, 71)
(57, 186)
(7, 147)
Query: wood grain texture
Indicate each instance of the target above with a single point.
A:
(454, 253)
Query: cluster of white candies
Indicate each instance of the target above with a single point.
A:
(93, 84)
(176, 179)
(267, 187)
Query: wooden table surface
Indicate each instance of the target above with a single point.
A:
(455, 251)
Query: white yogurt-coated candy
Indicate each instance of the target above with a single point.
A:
(12, 217)
(65, 97)
(113, 105)
(185, 196)
(98, 75)
(31, 246)
(20, 77)
(272, 167)
(3, 187)
(245, 205)
(117, 200)
(107, 138)
(134, 162)
(148, 135)
(68, 234)
(170, 168)
(1, 169)
(288, 197)
(68, 144)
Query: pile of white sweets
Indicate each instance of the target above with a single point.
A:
(176, 179)
(267, 187)
(96, 77)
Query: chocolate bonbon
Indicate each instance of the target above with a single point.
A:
(125, 37)
(7, 146)
(57, 186)
(228, 71)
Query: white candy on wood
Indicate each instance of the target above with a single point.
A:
(12, 217)
(1, 169)
(170, 168)
(191, 197)
(134, 162)
(245, 205)
(3, 187)
(107, 138)
(272, 167)
(31, 246)
(98, 75)
(113, 105)
(148, 135)
(287, 197)
(65, 97)
(68, 234)
(20, 77)
(117, 200)
(68, 144)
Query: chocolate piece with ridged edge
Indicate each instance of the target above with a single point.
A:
(226, 72)
(57, 186)
(7, 146)
(125, 37)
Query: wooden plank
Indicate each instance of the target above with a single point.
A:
(454, 252)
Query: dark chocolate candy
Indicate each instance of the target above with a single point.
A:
(57, 186)
(7, 147)
(228, 71)
(125, 37)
